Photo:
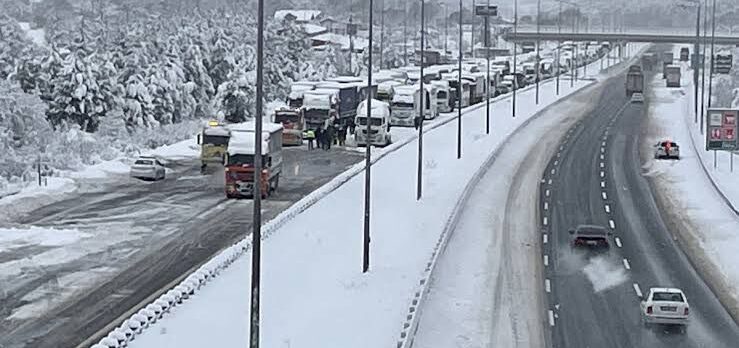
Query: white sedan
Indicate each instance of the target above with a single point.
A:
(667, 306)
(637, 98)
(148, 168)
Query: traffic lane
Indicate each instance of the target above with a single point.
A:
(156, 262)
(656, 258)
(583, 317)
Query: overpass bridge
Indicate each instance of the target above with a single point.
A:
(652, 35)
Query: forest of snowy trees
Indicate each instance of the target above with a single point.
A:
(113, 80)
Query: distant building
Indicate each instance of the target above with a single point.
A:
(299, 16)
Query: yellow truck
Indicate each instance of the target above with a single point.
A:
(213, 141)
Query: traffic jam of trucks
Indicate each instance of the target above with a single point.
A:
(397, 98)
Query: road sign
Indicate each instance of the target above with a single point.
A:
(486, 10)
(722, 63)
(722, 129)
(351, 29)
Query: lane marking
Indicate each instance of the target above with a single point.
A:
(558, 154)
(546, 193)
(602, 157)
(612, 224)
(561, 148)
(545, 238)
(626, 264)
(553, 171)
(546, 221)
(637, 290)
(605, 196)
(549, 182)
(547, 285)
(546, 260)
(608, 208)
(602, 184)
(546, 204)
(618, 242)
(602, 165)
(604, 143)
(603, 149)
(602, 173)
(555, 162)
(551, 318)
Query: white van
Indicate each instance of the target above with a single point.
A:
(379, 124)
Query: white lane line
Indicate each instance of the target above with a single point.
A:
(605, 196)
(553, 170)
(551, 318)
(549, 182)
(555, 162)
(608, 208)
(545, 238)
(637, 290)
(546, 204)
(602, 149)
(612, 224)
(626, 264)
(602, 165)
(546, 221)
(602, 184)
(558, 154)
(547, 285)
(604, 143)
(602, 173)
(546, 260)
(546, 193)
(618, 242)
(561, 148)
(602, 157)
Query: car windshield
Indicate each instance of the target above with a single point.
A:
(667, 296)
(283, 118)
(144, 162)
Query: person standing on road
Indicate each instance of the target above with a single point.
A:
(342, 135)
(310, 135)
(329, 137)
(352, 126)
(319, 138)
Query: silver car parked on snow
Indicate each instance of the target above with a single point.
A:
(148, 168)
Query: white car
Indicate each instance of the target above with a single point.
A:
(637, 98)
(148, 168)
(667, 149)
(667, 306)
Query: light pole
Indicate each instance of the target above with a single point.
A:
(713, 44)
(382, 33)
(515, 55)
(422, 111)
(472, 38)
(705, 44)
(367, 152)
(459, 88)
(538, 43)
(487, 56)
(559, 42)
(405, 34)
(446, 28)
(256, 236)
(696, 67)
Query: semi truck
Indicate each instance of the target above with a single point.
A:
(319, 106)
(634, 82)
(239, 162)
(348, 97)
(379, 124)
(293, 124)
(213, 140)
(672, 73)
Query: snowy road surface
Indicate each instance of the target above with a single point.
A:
(705, 225)
(486, 290)
(112, 249)
(337, 306)
(597, 178)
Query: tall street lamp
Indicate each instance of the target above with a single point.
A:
(422, 107)
(459, 88)
(713, 44)
(703, 78)
(559, 42)
(515, 55)
(256, 236)
(367, 152)
(538, 44)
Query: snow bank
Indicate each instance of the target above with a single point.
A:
(17, 237)
(704, 197)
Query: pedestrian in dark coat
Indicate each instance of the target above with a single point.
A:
(329, 135)
(352, 126)
(342, 135)
(319, 138)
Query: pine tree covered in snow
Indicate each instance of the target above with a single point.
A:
(14, 46)
(235, 100)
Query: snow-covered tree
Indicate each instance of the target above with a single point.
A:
(235, 101)
(14, 46)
